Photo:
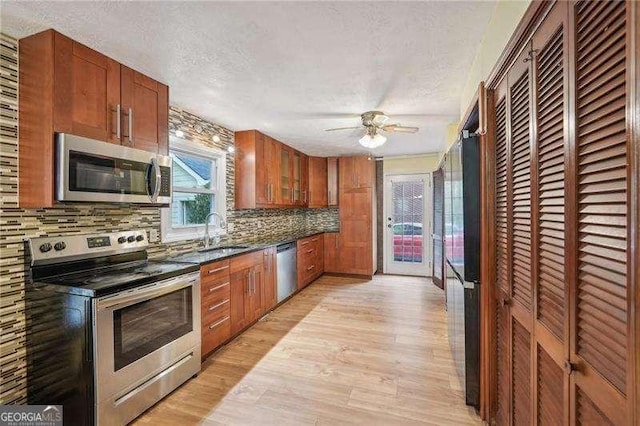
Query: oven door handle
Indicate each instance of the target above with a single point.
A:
(161, 288)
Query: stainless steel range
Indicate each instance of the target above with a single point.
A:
(109, 332)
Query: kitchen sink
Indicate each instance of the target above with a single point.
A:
(222, 248)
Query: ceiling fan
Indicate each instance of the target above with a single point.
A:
(374, 122)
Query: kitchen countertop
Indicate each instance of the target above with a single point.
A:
(205, 257)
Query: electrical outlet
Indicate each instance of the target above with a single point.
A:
(153, 235)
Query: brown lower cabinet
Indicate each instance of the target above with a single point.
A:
(236, 292)
(310, 259)
(215, 299)
(269, 293)
(247, 277)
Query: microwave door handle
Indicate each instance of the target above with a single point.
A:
(155, 169)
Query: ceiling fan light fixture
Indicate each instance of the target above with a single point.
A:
(372, 142)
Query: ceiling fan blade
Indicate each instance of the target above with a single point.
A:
(342, 128)
(399, 128)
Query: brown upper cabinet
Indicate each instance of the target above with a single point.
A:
(356, 172)
(66, 87)
(144, 112)
(332, 181)
(269, 173)
(317, 182)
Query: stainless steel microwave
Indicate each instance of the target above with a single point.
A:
(93, 171)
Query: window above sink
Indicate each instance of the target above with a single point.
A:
(198, 187)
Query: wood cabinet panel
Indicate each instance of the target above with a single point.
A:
(239, 308)
(215, 301)
(332, 181)
(145, 112)
(310, 258)
(356, 233)
(247, 287)
(331, 252)
(269, 293)
(356, 172)
(87, 86)
(318, 183)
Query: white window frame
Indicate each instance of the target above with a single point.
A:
(192, 232)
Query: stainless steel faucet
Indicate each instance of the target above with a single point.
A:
(221, 225)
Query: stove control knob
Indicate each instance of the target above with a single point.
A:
(45, 247)
(60, 246)
(122, 240)
(139, 238)
(131, 238)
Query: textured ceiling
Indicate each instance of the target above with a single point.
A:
(290, 69)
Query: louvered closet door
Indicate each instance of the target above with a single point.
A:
(519, 113)
(503, 243)
(550, 80)
(600, 346)
(513, 244)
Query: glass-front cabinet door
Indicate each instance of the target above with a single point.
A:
(285, 176)
(297, 178)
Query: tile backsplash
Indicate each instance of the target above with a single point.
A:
(18, 224)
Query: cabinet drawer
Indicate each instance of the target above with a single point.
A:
(309, 251)
(214, 310)
(215, 289)
(310, 270)
(245, 261)
(213, 271)
(215, 333)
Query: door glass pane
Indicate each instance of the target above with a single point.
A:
(144, 327)
(285, 175)
(407, 219)
(296, 177)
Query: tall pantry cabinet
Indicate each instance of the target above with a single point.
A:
(353, 249)
(566, 149)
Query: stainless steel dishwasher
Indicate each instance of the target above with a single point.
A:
(287, 270)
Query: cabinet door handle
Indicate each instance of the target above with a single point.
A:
(310, 267)
(218, 287)
(131, 125)
(118, 123)
(216, 324)
(310, 250)
(217, 305)
(304, 243)
(314, 239)
(222, 268)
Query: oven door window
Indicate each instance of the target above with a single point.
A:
(145, 327)
(92, 173)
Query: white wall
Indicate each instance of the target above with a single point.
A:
(504, 20)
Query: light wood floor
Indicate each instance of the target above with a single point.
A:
(343, 351)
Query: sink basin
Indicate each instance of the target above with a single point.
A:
(222, 248)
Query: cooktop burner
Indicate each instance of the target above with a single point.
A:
(95, 265)
(114, 278)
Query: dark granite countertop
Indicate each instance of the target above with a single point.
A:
(204, 257)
